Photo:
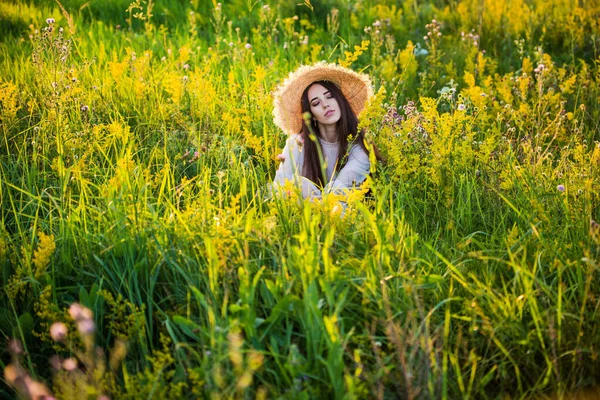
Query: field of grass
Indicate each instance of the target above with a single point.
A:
(137, 143)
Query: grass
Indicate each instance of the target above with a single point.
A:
(134, 167)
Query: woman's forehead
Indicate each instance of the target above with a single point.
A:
(317, 90)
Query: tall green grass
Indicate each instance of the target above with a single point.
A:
(135, 160)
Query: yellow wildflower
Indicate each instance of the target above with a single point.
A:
(350, 57)
(8, 100)
(43, 254)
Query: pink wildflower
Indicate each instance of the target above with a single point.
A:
(58, 331)
(86, 326)
(70, 364)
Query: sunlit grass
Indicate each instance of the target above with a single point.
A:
(135, 160)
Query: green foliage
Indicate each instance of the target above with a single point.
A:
(137, 144)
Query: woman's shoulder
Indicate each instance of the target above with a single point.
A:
(294, 137)
(358, 152)
(293, 148)
(294, 141)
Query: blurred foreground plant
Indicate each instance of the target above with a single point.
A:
(84, 374)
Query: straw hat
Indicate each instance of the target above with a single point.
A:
(287, 111)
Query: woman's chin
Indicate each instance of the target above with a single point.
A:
(330, 120)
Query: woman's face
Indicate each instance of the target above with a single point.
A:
(323, 106)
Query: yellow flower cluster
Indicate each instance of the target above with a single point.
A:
(8, 101)
(48, 312)
(126, 320)
(32, 267)
(43, 253)
(350, 57)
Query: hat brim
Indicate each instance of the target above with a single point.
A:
(287, 111)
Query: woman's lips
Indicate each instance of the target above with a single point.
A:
(328, 113)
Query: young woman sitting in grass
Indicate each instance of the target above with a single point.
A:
(325, 153)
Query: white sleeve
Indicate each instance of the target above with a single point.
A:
(292, 160)
(290, 169)
(353, 173)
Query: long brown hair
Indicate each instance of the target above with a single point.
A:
(346, 126)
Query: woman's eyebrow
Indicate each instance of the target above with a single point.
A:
(316, 98)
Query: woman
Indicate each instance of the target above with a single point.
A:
(317, 106)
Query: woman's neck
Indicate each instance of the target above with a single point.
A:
(328, 133)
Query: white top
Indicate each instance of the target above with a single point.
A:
(353, 174)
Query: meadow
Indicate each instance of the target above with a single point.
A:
(142, 256)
